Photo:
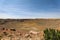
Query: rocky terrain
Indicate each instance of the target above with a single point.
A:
(26, 29)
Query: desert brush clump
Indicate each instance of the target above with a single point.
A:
(51, 34)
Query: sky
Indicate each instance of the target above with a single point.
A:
(29, 9)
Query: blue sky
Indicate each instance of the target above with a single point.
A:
(29, 8)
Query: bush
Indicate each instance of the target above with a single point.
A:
(13, 29)
(51, 34)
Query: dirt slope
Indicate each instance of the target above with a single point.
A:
(30, 24)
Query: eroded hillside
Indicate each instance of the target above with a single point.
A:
(30, 24)
(24, 27)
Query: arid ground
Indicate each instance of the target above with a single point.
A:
(27, 26)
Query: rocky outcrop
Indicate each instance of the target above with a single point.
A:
(13, 34)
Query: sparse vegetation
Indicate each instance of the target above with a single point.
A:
(5, 33)
(13, 29)
(3, 28)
